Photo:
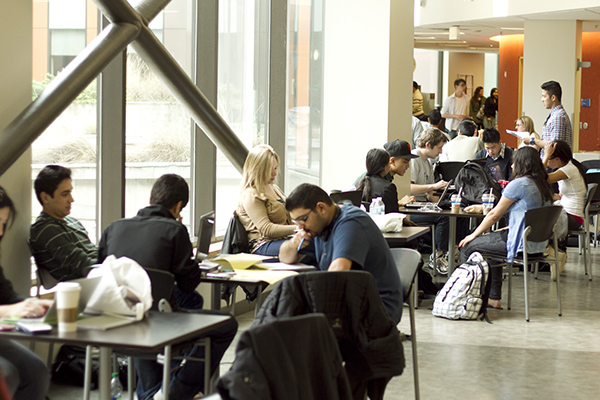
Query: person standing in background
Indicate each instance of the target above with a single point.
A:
(490, 109)
(456, 107)
(476, 106)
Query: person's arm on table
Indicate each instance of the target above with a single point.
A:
(26, 308)
(493, 216)
(288, 252)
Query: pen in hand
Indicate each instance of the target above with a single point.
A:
(300, 245)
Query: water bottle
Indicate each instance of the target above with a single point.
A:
(115, 387)
(373, 206)
(380, 206)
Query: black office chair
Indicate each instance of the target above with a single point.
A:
(407, 263)
(353, 196)
(540, 225)
(591, 164)
(447, 170)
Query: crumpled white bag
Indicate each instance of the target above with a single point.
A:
(391, 222)
(124, 289)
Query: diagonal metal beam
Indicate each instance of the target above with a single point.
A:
(16, 138)
(128, 23)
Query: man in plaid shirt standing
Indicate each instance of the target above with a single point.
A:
(557, 125)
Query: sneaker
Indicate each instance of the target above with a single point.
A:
(159, 395)
(432, 259)
(457, 261)
(442, 266)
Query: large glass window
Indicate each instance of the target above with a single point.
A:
(158, 128)
(59, 28)
(242, 89)
(304, 92)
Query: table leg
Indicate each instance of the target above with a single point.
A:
(105, 373)
(215, 294)
(166, 371)
(451, 245)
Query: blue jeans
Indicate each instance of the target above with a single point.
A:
(188, 380)
(25, 373)
(271, 248)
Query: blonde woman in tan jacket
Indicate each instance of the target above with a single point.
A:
(262, 203)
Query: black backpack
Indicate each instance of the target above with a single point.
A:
(236, 237)
(474, 182)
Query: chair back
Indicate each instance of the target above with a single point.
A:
(594, 177)
(43, 276)
(591, 191)
(162, 286)
(591, 164)
(448, 169)
(542, 221)
(407, 264)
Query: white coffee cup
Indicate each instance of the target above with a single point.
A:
(67, 298)
(455, 200)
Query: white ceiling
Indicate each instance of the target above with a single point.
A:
(475, 34)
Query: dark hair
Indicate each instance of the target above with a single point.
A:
(415, 85)
(307, 196)
(435, 117)
(553, 88)
(477, 89)
(48, 179)
(459, 81)
(492, 92)
(5, 201)
(563, 151)
(168, 190)
(490, 135)
(527, 163)
(377, 160)
(467, 127)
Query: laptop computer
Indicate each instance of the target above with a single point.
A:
(354, 196)
(419, 204)
(88, 286)
(205, 231)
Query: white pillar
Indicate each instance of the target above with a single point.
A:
(15, 81)
(550, 52)
(368, 65)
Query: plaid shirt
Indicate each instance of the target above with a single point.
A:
(558, 126)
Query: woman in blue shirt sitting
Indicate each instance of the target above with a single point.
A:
(528, 189)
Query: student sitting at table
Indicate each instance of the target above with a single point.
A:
(25, 374)
(261, 207)
(528, 189)
(496, 152)
(570, 175)
(423, 186)
(374, 184)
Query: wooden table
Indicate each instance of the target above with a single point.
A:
(157, 332)
(451, 227)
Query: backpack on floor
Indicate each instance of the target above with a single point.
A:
(465, 294)
(475, 181)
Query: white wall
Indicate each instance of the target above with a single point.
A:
(541, 65)
(15, 81)
(491, 73)
(356, 76)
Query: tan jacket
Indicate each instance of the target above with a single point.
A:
(263, 217)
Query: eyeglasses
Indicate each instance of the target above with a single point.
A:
(301, 220)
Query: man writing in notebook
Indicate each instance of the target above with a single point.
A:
(156, 238)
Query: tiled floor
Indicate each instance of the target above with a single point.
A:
(550, 357)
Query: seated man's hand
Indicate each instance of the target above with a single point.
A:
(440, 185)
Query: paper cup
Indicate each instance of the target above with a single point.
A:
(455, 202)
(67, 298)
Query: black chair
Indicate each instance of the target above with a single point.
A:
(591, 164)
(447, 170)
(594, 177)
(540, 225)
(584, 231)
(44, 278)
(407, 263)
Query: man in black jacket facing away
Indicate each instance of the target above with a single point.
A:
(156, 238)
